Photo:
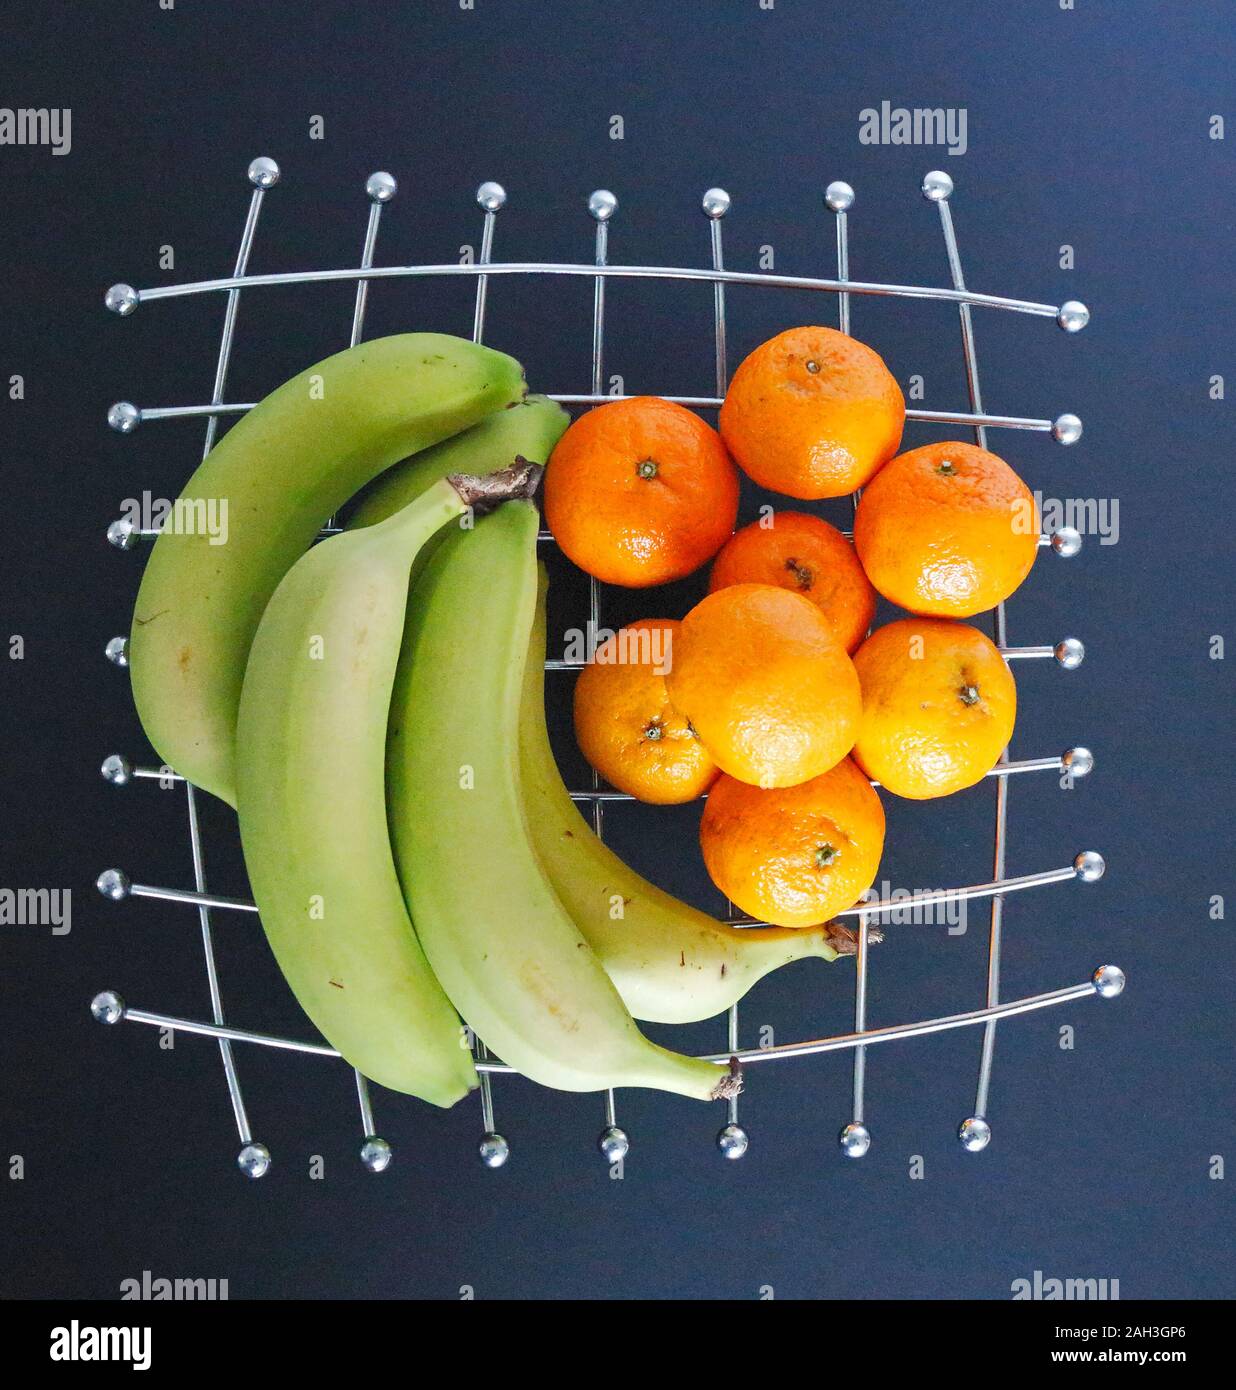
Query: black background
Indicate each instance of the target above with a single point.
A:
(1087, 127)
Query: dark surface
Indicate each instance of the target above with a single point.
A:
(1087, 127)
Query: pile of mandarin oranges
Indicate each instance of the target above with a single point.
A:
(773, 697)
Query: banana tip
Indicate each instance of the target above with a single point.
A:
(844, 940)
(730, 1084)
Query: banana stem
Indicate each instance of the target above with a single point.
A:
(486, 493)
(844, 940)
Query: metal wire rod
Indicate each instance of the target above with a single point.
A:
(124, 299)
(233, 308)
(197, 898)
(855, 1137)
(1068, 653)
(716, 204)
(1009, 654)
(733, 1140)
(492, 198)
(1066, 542)
(380, 188)
(859, 1077)
(493, 1148)
(1088, 866)
(253, 1159)
(125, 416)
(839, 197)
(1066, 762)
(975, 1131)
(239, 1113)
(1107, 982)
(1077, 761)
(879, 906)
(613, 1141)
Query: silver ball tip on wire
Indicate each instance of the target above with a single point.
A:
(1090, 866)
(1066, 429)
(124, 417)
(1109, 981)
(122, 534)
(733, 1141)
(116, 770)
(380, 187)
(494, 1150)
(1077, 762)
(254, 1160)
(937, 187)
(1073, 316)
(107, 1007)
(974, 1134)
(1066, 542)
(602, 205)
(113, 884)
(613, 1144)
(855, 1140)
(1070, 653)
(121, 299)
(715, 203)
(376, 1154)
(263, 172)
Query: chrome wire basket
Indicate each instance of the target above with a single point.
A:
(1106, 982)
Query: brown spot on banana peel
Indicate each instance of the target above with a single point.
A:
(534, 978)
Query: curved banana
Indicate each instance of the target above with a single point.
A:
(505, 950)
(311, 749)
(279, 473)
(527, 430)
(670, 963)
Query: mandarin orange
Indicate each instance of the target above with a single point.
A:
(939, 703)
(640, 492)
(626, 726)
(794, 856)
(948, 529)
(803, 553)
(767, 686)
(812, 413)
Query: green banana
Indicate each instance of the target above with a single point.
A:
(527, 430)
(670, 963)
(311, 749)
(281, 471)
(505, 950)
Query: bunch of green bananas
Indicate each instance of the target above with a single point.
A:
(373, 707)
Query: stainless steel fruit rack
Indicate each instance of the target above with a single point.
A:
(1106, 982)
